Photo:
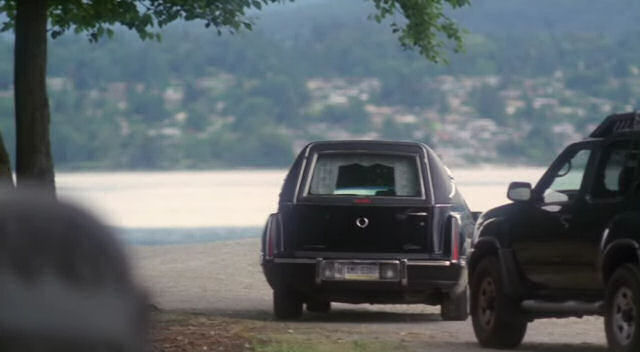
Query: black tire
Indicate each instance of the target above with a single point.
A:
(318, 306)
(456, 307)
(497, 319)
(287, 305)
(622, 310)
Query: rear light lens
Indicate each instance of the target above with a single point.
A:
(455, 238)
(270, 238)
(332, 271)
(362, 201)
(389, 271)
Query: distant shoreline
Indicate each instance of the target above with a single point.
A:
(177, 235)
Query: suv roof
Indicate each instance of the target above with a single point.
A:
(616, 124)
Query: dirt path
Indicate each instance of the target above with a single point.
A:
(224, 280)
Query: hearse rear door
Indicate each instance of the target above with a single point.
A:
(354, 207)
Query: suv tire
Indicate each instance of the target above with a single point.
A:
(622, 310)
(496, 317)
(287, 304)
(456, 307)
(317, 306)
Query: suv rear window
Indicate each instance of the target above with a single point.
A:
(359, 174)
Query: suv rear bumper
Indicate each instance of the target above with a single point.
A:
(421, 281)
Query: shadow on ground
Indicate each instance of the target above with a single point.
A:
(528, 347)
(336, 316)
(561, 347)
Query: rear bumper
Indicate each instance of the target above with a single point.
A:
(421, 281)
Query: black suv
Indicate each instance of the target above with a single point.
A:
(570, 246)
(367, 222)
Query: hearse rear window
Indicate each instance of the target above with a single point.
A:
(357, 174)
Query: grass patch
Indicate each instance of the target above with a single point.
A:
(187, 332)
(292, 343)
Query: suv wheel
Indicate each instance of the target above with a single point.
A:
(497, 321)
(456, 307)
(317, 306)
(622, 315)
(286, 304)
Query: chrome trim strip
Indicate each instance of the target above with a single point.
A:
(363, 261)
(404, 276)
(605, 236)
(309, 175)
(456, 226)
(421, 177)
(294, 260)
(429, 263)
(427, 165)
(268, 239)
(281, 228)
(318, 262)
(301, 174)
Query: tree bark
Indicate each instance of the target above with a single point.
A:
(6, 178)
(34, 164)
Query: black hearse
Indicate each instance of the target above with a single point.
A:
(367, 222)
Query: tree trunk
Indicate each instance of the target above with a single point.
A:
(34, 165)
(6, 178)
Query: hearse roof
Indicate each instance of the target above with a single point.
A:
(367, 145)
(357, 142)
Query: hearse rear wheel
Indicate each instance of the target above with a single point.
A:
(287, 304)
(622, 310)
(497, 320)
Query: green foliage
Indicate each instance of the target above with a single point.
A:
(426, 28)
(99, 18)
(426, 24)
(245, 100)
(249, 89)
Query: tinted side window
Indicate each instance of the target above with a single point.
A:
(613, 171)
(568, 179)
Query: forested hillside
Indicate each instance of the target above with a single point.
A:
(534, 76)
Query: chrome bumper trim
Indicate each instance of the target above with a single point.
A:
(429, 263)
(403, 261)
(294, 260)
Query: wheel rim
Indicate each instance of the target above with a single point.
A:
(624, 315)
(487, 302)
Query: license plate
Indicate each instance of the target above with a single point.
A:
(361, 272)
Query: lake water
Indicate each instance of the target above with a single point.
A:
(197, 206)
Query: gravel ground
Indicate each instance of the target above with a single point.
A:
(224, 279)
